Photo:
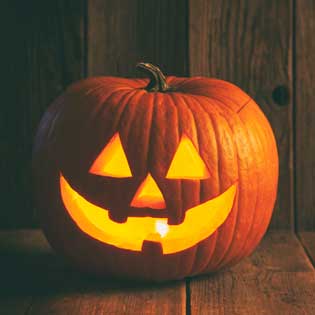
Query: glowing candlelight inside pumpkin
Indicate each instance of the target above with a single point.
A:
(161, 227)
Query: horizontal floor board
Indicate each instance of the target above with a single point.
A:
(113, 299)
(40, 282)
(277, 279)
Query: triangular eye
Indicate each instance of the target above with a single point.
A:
(187, 163)
(112, 161)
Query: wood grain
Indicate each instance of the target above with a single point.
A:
(305, 113)
(308, 241)
(277, 279)
(122, 33)
(38, 280)
(249, 43)
(43, 53)
(115, 300)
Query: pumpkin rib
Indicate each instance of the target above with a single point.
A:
(149, 130)
(121, 82)
(267, 129)
(168, 108)
(265, 218)
(236, 214)
(166, 126)
(179, 272)
(150, 147)
(254, 181)
(224, 231)
(231, 245)
(148, 101)
(180, 131)
(221, 86)
(174, 100)
(176, 83)
(219, 230)
(124, 125)
(103, 107)
(225, 108)
(194, 134)
(232, 101)
(122, 104)
(97, 88)
(244, 105)
(192, 114)
(118, 260)
(257, 197)
(261, 220)
(209, 113)
(210, 98)
(153, 267)
(214, 108)
(183, 83)
(104, 98)
(200, 246)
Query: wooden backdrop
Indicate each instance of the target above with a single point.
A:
(264, 46)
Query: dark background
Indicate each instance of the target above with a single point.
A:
(264, 46)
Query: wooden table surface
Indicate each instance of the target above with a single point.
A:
(279, 278)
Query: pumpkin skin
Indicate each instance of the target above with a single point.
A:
(230, 132)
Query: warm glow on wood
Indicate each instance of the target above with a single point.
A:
(187, 163)
(199, 223)
(112, 161)
(148, 195)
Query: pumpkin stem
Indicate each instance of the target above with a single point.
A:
(157, 79)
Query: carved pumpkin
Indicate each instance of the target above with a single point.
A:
(154, 180)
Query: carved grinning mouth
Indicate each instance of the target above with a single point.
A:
(199, 223)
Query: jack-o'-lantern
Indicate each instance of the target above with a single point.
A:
(154, 180)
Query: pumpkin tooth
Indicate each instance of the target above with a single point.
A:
(176, 220)
(117, 217)
(152, 248)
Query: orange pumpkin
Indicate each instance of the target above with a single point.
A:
(154, 180)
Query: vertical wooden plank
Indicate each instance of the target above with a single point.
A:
(305, 114)
(122, 33)
(249, 43)
(43, 53)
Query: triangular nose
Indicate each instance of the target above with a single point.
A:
(148, 195)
